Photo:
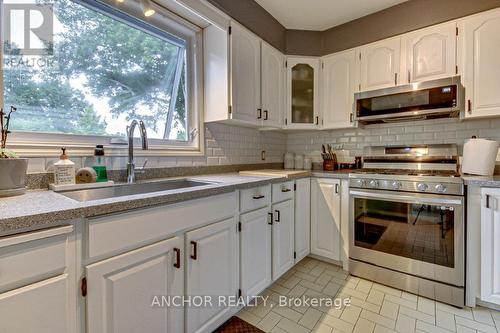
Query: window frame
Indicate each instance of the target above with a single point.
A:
(164, 22)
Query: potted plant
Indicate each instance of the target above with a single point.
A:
(12, 169)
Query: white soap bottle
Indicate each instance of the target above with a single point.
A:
(64, 170)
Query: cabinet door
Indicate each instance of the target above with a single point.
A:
(245, 75)
(481, 64)
(255, 254)
(429, 54)
(283, 237)
(302, 218)
(212, 270)
(122, 290)
(338, 77)
(302, 93)
(380, 64)
(43, 307)
(490, 247)
(273, 86)
(325, 218)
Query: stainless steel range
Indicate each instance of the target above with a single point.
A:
(407, 221)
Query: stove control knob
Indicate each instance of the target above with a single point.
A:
(422, 187)
(397, 185)
(361, 182)
(440, 188)
(374, 183)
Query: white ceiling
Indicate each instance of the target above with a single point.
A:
(321, 14)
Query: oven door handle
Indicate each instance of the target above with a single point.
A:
(406, 198)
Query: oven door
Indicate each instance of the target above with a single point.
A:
(417, 234)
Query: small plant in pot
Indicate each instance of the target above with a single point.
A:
(12, 169)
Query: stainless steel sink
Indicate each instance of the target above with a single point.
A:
(130, 189)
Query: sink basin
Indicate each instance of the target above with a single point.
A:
(130, 189)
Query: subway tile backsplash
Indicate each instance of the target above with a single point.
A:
(225, 145)
(231, 145)
(405, 133)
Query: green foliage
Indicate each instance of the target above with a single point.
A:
(131, 70)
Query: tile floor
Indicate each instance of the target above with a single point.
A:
(374, 307)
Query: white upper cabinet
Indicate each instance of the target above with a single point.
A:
(490, 247)
(338, 84)
(273, 86)
(325, 218)
(302, 97)
(380, 64)
(429, 53)
(480, 59)
(245, 76)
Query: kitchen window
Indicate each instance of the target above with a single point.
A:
(101, 67)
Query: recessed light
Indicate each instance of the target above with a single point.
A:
(147, 9)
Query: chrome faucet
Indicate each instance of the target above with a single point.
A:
(131, 169)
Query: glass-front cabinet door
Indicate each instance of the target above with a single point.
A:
(302, 93)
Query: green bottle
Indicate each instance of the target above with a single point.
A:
(99, 164)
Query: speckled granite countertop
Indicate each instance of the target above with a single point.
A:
(42, 208)
(493, 181)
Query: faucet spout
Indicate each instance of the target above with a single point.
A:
(144, 142)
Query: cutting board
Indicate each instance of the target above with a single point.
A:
(277, 173)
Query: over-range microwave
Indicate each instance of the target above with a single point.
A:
(441, 98)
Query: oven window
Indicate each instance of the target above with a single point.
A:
(417, 231)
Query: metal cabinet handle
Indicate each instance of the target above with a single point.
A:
(278, 216)
(317, 120)
(266, 115)
(270, 221)
(177, 263)
(395, 79)
(351, 119)
(284, 190)
(259, 113)
(409, 76)
(336, 188)
(256, 197)
(194, 255)
(469, 106)
(488, 201)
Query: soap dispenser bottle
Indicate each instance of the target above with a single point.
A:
(64, 170)
(100, 164)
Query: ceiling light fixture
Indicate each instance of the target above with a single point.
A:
(147, 9)
(120, 1)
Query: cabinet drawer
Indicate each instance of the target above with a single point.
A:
(254, 198)
(283, 191)
(32, 257)
(114, 234)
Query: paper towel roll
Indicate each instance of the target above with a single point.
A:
(479, 157)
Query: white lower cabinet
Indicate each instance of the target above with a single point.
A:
(283, 237)
(43, 307)
(212, 270)
(122, 290)
(490, 246)
(38, 289)
(325, 218)
(255, 252)
(302, 218)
